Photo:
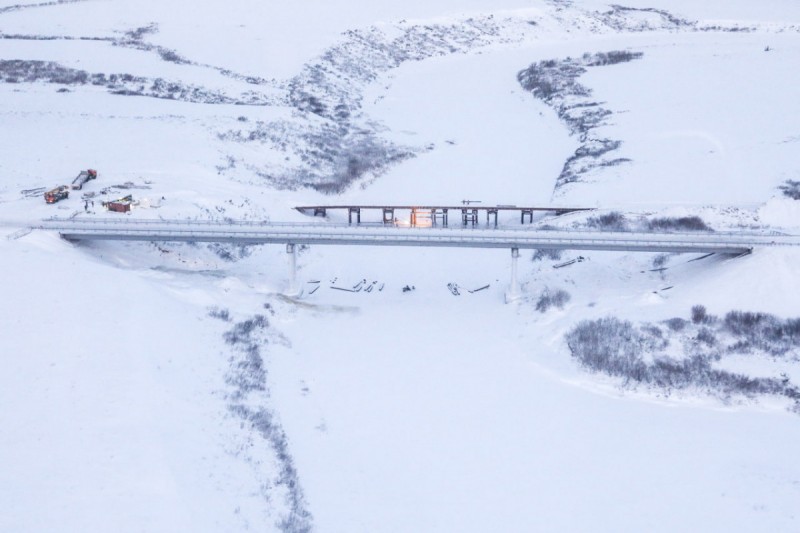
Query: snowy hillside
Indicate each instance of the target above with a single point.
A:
(175, 387)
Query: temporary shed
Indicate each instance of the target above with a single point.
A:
(122, 205)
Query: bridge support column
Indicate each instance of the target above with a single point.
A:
(293, 289)
(524, 213)
(513, 289)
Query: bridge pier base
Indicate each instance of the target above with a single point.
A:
(293, 289)
(513, 293)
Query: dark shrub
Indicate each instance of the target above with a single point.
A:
(550, 299)
(242, 331)
(660, 260)
(693, 223)
(222, 314)
(676, 324)
(746, 324)
(791, 189)
(611, 58)
(546, 253)
(617, 348)
(608, 345)
(171, 56)
(706, 337)
(699, 314)
(614, 221)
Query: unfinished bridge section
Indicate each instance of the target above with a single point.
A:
(435, 215)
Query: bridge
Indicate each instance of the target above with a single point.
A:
(293, 234)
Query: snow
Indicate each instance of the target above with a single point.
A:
(480, 442)
(780, 213)
(732, 130)
(112, 415)
(401, 411)
(443, 99)
(480, 434)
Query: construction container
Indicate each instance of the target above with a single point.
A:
(122, 205)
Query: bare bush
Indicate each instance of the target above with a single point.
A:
(139, 33)
(298, 519)
(556, 83)
(660, 260)
(699, 314)
(25, 71)
(550, 78)
(691, 223)
(172, 56)
(546, 253)
(617, 18)
(218, 313)
(248, 374)
(706, 337)
(746, 324)
(763, 331)
(230, 252)
(676, 324)
(791, 189)
(609, 345)
(618, 348)
(242, 332)
(548, 299)
(611, 58)
(613, 221)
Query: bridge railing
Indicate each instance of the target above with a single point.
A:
(351, 228)
(332, 235)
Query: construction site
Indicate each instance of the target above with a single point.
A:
(114, 203)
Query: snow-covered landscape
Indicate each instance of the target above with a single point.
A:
(167, 386)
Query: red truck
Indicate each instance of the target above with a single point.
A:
(83, 177)
(59, 193)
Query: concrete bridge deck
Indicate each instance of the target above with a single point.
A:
(243, 232)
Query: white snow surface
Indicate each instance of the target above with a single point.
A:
(386, 410)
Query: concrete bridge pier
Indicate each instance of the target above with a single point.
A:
(294, 288)
(513, 289)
